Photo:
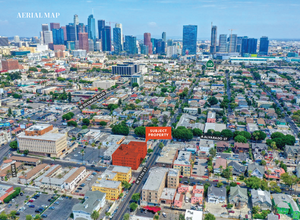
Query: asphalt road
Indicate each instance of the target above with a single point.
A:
(124, 206)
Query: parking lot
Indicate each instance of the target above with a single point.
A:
(170, 214)
(63, 210)
(217, 209)
(91, 155)
(199, 169)
(89, 181)
(18, 202)
(39, 202)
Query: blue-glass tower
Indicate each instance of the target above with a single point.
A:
(130, 45)
(189, 39)
(58, 36)
(249, 46)
(91, 27)
(264, 46)
(117, 40)
(70, 32)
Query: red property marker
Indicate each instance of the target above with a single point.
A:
(158, 133)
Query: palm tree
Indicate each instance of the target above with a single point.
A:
(99, 147)
(209, 169)
(82, 154)
(230, 170)
(95, 215)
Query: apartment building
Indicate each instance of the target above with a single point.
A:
(130, 155)
(211, 117)
(93, 201)
(5, 137)
(43, 139)
(183, 164)
(117, 173)
(173, 178)
(112, 188)
(154, 186)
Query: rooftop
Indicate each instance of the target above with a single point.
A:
(155, 179)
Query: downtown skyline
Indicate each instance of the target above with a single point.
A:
(251, 18)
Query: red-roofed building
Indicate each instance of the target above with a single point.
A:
(275, 173)
(133, 96)
(130, 155)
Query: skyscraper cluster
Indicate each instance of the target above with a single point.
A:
(237, 44)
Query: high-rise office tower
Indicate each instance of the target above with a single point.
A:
(144, 49)
(76, 22)
(130, 45)
(83, 41)
(65, 32)
(223, 43)
(58, 36)
(189, 39)
(213, 40)
(117, 40)
(71, 34)
(239, 44)
(147, 42)
(170, 42)
(106, 39)
(249, 46)
(91, 27)
(86, 28)
(232, 43)
(91, 45)
(48, 38)
(16, 39)
(80, 28)
(4, 41)
(263, 45)
(153, 41)
(118, 25)
(45, 27)
(164, 36)
(101, 28)
(54, 26)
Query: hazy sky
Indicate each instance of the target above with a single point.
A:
(253, 18)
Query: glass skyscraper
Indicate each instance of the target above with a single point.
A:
(58, 36)
(130, 45)
(189, 39)
(249, 46)
(232, 43)
(213, 40)
(91, 27)
(263, 46)
(71, 32)
(117, 40)
(106, 39)
(101, 28)
(223, 43)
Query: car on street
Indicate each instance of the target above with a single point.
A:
(31, 200)
(230, 211)
(31, 206)
(52, 208)
(164, 215)
(216, 181)
(44, 216)
(224, 205)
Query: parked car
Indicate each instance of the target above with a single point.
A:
(37, 211)
(224, 205)
(44, 216)
(56, 203)
(52, 208)
(31, 206)
(31, 200)
(216, 181)
(164, 215)
(230, 211)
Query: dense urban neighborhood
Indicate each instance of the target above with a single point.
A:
(75, 115)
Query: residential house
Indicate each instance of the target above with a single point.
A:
(256, 170)
(183, 188)
(258, 149)
(222, 146)
(178, 200)
(237, 168)
(261, 198)
(216, 195)
(238, 197)
(220, 164)
(197, 195)
(285, 204)
(292, 152)
(274, 173)
(240, 147)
